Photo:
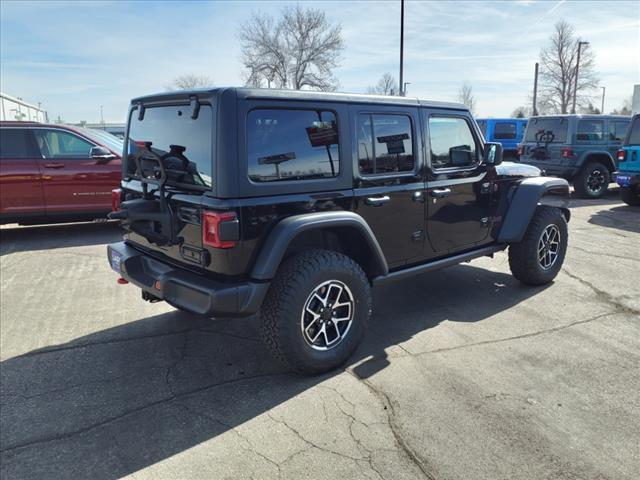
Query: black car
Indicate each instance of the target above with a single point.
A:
(296, 204)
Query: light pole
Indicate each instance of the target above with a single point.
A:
(101, 115)
(404, 89)
(401, 44)
(602, 108)
(575, 85)
(535, 91)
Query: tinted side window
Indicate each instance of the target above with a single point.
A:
(292, 145)
(617, 130)
(591, 130)
(504, 131)
(385, 144)
(451, 142)
(14, 143)
(59, 144)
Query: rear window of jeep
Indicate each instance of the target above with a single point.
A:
(539, 127)
(292, 145)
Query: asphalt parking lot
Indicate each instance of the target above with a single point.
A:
(464, 373)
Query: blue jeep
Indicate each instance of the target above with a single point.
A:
(581, 148)
(628, 175)
(507, 131)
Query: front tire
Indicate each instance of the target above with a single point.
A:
(592, 181)
(538, 258)
(316, 311)
(630, 195)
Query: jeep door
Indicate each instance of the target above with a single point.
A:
(20, 177)
(72, 180)
(459, 198)
(388, 184)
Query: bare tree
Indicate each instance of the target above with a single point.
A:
(521, 112)
(387, 85)
(558, 71)
(626, 108)
(465, 95)
(300, 50)
(189, 82)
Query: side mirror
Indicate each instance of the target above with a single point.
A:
(101, 154)
(492, 153)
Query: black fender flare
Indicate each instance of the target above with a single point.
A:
(524, 200)
(607, 160)
(285, 231)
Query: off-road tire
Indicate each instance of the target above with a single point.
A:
(630, 195)
(281, 311)
(582, 180)
(523, 256)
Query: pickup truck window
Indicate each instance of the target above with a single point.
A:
(385, 144)
(504, 131)
(14, 143)
(452, 143)
(292, 145)
(59, 144)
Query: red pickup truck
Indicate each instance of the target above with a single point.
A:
(54, 173)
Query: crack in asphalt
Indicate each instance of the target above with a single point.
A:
(601, 294)
(64, 436)
(515, 337)
(395, 429)
(604, 254)
(251, 447)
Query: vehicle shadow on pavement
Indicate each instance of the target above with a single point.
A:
(47, 237)
(114, 402)
(623, 218)
(611, 197)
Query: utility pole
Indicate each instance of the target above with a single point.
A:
(575, 85)
(401, 45)
(535, 91)
(602, 108)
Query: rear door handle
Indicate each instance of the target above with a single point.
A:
(377, 201)
(54, 165)
(440, 192)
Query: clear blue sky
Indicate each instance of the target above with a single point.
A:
(75, 56)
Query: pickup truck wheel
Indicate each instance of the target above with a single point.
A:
(592, 181)
(537, 259)
(630, 195)
(316, 311)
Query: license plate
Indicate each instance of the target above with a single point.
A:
(623, 180)
(116, 259)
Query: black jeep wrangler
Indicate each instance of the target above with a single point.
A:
(296, 204)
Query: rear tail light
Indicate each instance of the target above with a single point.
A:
(218, 227)
(566, 153)
(116, 194)
(622, 155)
(520, 149)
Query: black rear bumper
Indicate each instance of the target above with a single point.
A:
(184, 289)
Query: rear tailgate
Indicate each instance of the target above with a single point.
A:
(168, 167)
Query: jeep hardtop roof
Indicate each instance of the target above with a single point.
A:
(588, 116)
(275, 94)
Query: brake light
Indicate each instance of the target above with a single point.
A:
(622, 155)
(116, 194)
(211, 227)
(520, 149)
(566, 152)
